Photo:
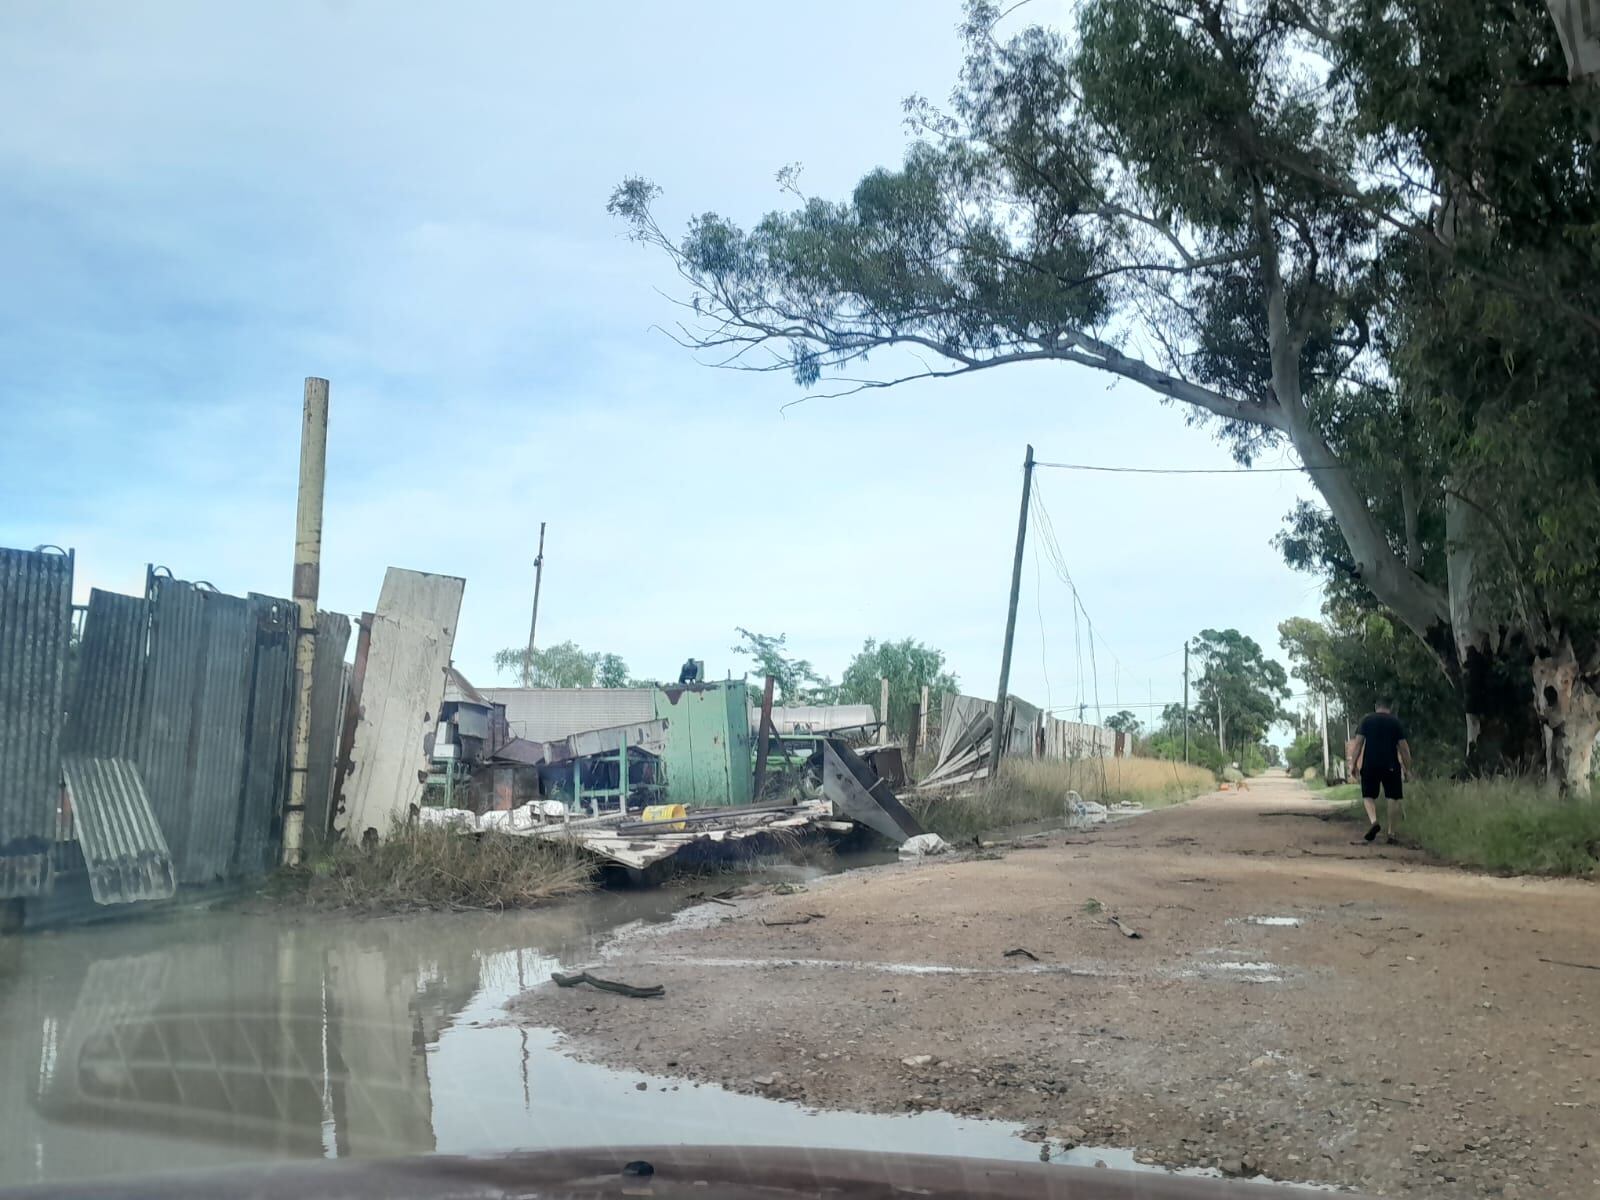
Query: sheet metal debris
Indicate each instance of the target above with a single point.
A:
(107, 712)
(412, 634)
(858, 794)
(126, 855)
(35, 628)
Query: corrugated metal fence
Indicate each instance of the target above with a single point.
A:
(35, 632)
(176, 735)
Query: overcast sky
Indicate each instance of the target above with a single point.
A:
(202, 204)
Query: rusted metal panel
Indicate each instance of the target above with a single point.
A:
(548, 714)
(126, 854)
(413, 633)
(197, 693)
(106, 714)
(266, 757)
(35, 629)
(327, 709)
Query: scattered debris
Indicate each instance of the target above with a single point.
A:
(648, 992)
(923, 845)
(1561, 962)
(1127, 931)
(917, 1060)
(1020, 952)
(802, 919)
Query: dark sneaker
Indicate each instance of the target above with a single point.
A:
(1372, 834)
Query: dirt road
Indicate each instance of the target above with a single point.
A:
(1381, 1022)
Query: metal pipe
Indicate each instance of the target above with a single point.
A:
(307, 570)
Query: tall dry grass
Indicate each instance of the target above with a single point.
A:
(1031, 790)
(422, 868)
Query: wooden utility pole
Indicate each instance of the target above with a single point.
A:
(995, 747)
(307, 572)
(1186, 703)
(883, 710)
(763, 736)
(922, 720)
(533, 624)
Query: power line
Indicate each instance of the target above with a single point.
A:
(1061, 466)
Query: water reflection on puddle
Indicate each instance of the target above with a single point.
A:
(206, 1040)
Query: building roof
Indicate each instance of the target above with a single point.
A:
(547, 714)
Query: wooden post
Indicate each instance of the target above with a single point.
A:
(307, 569)
(883, 711)
(1186, 703)
(763, 736)
(913, 729)
(995, 748)
(922, 721)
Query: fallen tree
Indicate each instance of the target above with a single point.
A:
(1247, 209)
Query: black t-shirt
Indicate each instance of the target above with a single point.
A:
(1383, 733)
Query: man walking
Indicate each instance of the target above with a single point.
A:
(1380, 753)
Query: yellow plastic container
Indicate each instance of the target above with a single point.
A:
(666, 812)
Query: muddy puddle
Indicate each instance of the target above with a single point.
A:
(214, 1039)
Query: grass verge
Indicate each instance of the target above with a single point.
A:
(1036, 790)
(1508, 826)
(440, 868)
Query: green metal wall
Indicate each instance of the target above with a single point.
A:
(708, 743)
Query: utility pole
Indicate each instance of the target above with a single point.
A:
(1325, 763)
(533, 624)
(307, 570)
(1186, 703)
(1221, 745)
(995, 748)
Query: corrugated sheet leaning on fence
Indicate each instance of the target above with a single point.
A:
(413, 632)
(124, 850)
(35, 629)
(216, 700)
(266, 758)
(328, 676)
(122, 845)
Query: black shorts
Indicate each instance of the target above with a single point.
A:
(1389, 780)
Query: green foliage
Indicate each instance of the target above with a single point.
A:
(1511, 826)
(1305, 753)
(1365, 227)
(795, 681)
(908, 665)
(1356, 656)
(1235, 673)
(563, 665)
(1123, 722)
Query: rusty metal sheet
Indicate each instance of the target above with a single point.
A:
(122, 844)
(267, 732)
(328, 674)
(413, 632)
(35, 629)
(196, 697)
(106, 714)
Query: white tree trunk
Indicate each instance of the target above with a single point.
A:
(1567, 697)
